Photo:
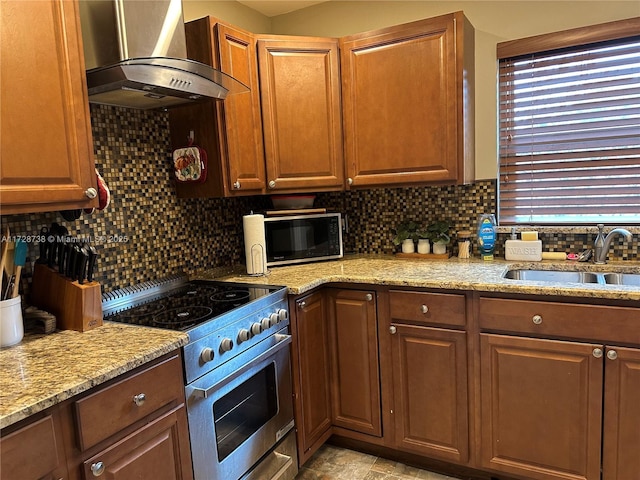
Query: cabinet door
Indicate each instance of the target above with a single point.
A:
(46, 149)
(355, 381)
(159, 450)
(541, 407)
(621, 459)
(430, 391)
(404, 121)
(301, 108)
(229, 130)
(311, 371)
(34, 451)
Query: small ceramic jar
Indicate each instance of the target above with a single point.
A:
(408, 246)
(424, 246)
(439, 248)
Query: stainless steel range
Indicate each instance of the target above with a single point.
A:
(237, 370)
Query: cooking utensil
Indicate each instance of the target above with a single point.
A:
(5, 249)
(19, 260)
(83, 260)
(8, 258)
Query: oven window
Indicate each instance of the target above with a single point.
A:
(242, 411)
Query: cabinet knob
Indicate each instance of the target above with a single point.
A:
(236, 185)
(537, 319)
(612, 354)
(424, 309)
(302, 304)
(392, 330)
(368, 297)
(91, 192)
(272, 184)
(97, 469)
(139, 399)
(349, 181)
(597, 352)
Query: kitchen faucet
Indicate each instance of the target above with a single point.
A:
(602, 243)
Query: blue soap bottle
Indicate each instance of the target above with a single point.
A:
(487, 235)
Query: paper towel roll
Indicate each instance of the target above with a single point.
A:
(255, 245)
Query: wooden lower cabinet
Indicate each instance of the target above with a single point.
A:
(621, 443)
(430, 391)
(34, 451)
(311, 372)
(541, 407)
(355, 375)
(154, 451)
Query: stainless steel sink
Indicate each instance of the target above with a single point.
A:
(622, 278)
(557, 276)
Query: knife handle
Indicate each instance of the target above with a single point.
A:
(82, 260)
(71, 263)
(93, 257)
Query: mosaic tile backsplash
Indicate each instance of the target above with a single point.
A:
(148, 233)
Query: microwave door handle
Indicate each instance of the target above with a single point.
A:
(283, 341)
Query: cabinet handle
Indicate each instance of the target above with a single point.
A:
(424, 309)
(537, 319)
(392, 330)
(272, 184)
(139, 399)
(349, 181)
(91, 192)
(97, 469)
(612, 354)
(597, 352)
(236, 185)
(302, 304)
(368, 297)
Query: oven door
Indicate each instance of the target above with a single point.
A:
(239, 411)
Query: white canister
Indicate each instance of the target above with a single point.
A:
(408, 246)
(424, 246)
(11, 328)
(439, 248)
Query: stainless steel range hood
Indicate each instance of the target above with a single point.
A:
(135, 54)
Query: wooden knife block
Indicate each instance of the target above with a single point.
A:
(76, 307)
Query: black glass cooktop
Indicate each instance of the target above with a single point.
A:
(191, 304)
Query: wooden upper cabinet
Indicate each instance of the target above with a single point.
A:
(301, 110)
(230, 130)
(46, 159)
(407, 95)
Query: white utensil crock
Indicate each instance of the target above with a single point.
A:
(11, 328)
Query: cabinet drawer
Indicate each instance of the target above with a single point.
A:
(428, 308)
(113, 408)
(581, 321)
(30, 452)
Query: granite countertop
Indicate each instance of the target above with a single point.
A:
(44, 370)
(455, 274)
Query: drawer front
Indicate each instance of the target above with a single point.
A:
(589, 322)
(30, 452)
(113, 408)
(428, 308)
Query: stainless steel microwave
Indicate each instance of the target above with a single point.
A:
(303, 238)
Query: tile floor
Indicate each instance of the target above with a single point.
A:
(334, 463)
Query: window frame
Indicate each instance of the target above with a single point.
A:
(583, 36)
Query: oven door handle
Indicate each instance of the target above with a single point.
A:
(283, 341)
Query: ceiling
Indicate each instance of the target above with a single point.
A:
(271, 8)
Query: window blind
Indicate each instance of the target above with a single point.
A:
(569, 135)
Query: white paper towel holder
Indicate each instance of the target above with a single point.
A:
(262, 261)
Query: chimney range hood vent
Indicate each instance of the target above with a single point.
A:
(135, 54)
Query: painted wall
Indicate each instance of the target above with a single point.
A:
(494, 22)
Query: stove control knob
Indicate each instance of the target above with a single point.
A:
(244, 335)
(274, 319)
(283, 314)
(207, 355)
(266, 324)
(256, 328)
(226, 345)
